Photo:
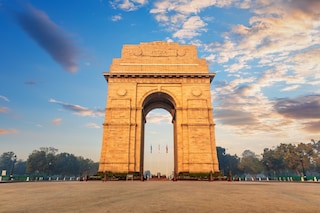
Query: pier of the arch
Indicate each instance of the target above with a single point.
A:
(159, 75)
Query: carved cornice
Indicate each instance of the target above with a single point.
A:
(108, 75)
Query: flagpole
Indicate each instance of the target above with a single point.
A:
(166, 161)
(158, 160)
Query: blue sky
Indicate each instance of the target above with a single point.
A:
(265, 53)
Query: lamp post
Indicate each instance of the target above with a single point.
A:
(14, 159)
(50, 164)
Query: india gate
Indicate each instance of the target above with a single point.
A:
(155, 75)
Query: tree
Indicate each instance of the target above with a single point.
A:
(316, 159)
(250, 163)
(37, 162)
(88, 165)
(227, 163)
(248, 153)
(20, 168)
(272, 161)
(67, 164)
(7, 161)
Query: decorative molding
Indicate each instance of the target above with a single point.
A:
(145, 64)
(108, 75)
(196, 92)
(122, 92)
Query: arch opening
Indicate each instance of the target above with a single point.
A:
(158, 147)
(158, 100)
(158, 142)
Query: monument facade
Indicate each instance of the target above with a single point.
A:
(159, 75)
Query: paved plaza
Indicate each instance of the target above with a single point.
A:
(166, 196)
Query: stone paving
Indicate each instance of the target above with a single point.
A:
(153, 196)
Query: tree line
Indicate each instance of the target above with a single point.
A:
(47, 161)
(283, 160)
(286, 159)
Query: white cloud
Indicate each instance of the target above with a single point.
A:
(128, 5)
(182, 17)
(116, 18)
(161, 18)
(290, 88)
(284, 41)
(4, 98)
(307, 63)
(93, 125)
(191, 28)
(153, 117)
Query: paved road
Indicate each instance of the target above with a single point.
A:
(181, 196)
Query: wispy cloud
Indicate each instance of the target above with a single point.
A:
(48, 35)
(79, 110)
(306, 107)
(4, 98)
(290, 88)
(276, 32)
(283, 38)
(8, 131)
(182, 17)
(57, 121)
(191, 28)
(128, 5)
(93, 125)
(31, 82)
(116, 18)
(3, 109)
(304, 111)
(312, 126)
(278, 49)
(158, 118)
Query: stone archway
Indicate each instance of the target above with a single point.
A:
(157, 100)
(164, 75)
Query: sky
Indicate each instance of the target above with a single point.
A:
(265, 53)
